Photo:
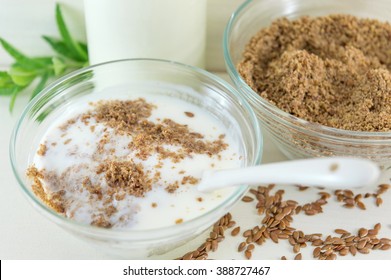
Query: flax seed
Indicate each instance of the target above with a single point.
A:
(331, 257)
(353, 250)
(344, 251)
(214, 245)
(257, 236)
(188, 256)
(235, 231)
(242, 246)
(248, 254)
(377, 226)
(298, 256)
(361, 244)
(247, 199)
(231, 224)
(274, 237)
(340, 231)
(316, 252)
(250, 247)
(247, 233)
(362, 232)
(296, 248)
(385, 240)
(361, 205)
(364, 251)
(379, 201)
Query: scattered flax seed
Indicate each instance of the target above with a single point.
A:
(235, 231)
(298, 256)
(178, 221)
(189, 114)
(379, 201)
(66, 142)
(302, 188)
(247, 199)
(334, 167)
(361, 205)
(248, 254)
(42, 150)
(250, 247)
(215, 237)
(199, 199)
(154, 204)
(241, 247)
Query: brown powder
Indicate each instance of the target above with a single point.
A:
(125, 176)
(93, 189)
(189, 180)
(172, 187)
(130, 118)
(54, 201)
(42, 150)
(332, 70)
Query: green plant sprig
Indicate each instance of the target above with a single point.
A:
(70, 55)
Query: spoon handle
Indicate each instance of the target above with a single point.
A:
(329, 172)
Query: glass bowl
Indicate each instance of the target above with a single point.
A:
(295, 137)
(190, 84)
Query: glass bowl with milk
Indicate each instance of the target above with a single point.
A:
(115, 152)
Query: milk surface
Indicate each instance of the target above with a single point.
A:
(158, 208)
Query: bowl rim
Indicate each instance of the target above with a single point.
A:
(298, 123)
(124, 233)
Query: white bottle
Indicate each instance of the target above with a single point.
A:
(164, 29)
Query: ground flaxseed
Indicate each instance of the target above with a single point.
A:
(42, 150)
(332, 70)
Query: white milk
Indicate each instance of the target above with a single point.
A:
(137, 212)
(169, 29)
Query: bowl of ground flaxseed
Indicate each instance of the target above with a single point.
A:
(113, 153)
(317, 73)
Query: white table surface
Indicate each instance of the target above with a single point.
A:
(25, 234)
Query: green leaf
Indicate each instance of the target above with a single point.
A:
(59, 46)
(59, 66)
(22, 76)
(71, 44)
(14, 94)
(20, 57)
(84, 47)
(5, 79)
(45, 61)
(7, 86)
(41, 85)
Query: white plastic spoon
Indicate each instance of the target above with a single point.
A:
(331, 172)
